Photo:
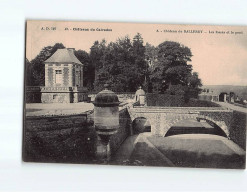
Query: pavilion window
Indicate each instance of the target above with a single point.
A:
(58, 76)
(77, 75)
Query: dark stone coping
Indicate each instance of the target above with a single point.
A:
(38, 117)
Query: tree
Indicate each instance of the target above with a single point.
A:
(38, 66)
(29, 73)
(194, 84)
(151, 54)
(140, 60)
(121, 64)
(194, 81)
(97, 58)
(88, 69)
(172, 66)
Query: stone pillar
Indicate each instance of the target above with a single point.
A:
(106, 121)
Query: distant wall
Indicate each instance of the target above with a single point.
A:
(168, 100)
(238, 128)
(205, 97)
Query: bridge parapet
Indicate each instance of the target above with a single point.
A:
(181, 108)
(178, 110)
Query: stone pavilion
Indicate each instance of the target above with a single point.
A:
(63, 78)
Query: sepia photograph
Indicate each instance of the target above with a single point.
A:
(135, 94)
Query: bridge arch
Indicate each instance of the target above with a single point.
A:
(218, 124)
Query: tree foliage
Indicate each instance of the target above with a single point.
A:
(121, 64)
(172, 67)
(28, 76)
(88, 69)
(38, 67)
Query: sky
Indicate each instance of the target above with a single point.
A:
(219, 52)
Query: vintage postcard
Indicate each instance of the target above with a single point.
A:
(135, 94)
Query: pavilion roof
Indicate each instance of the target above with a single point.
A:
(63, 56)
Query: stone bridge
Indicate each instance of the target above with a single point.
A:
(163, 118)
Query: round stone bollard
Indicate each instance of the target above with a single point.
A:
(106, 120)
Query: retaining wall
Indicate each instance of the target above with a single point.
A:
(68, 138)
(123, 131)
(62, 139)
(238, 128)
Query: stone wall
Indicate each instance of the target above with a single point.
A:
(63, 94)
(123, 132)
(62, 139)
(66, 76)
(69, 138)
(164, 100)
(48, 123)
(238, 128)
(50, 77)
(56, 97)
(66, 97)
(73, 75)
